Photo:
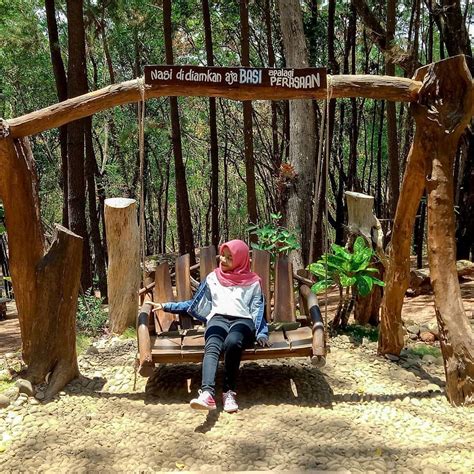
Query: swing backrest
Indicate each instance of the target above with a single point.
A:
(283, 295)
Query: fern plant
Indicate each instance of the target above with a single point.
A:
(350, 272)
(91, 319)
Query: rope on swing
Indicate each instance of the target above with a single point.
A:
(323, 161)
(141, 148)
(329, 94)
(141, 152)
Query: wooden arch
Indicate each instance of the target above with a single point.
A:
(441, 95)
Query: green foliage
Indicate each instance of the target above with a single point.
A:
(91, 319)
(273, 237)
(421, 350)
(2, 217)
(358, 332)
(346, 269)
(129, 333)
(82, 343)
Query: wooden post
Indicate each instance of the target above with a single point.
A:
(362, 221)
(397, 274)
(53, 347)
(46, 301)
(445, 109)
(123, 276)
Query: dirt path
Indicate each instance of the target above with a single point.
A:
(359, 413)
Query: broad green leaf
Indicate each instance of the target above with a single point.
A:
(359, 244)
(378, 282)
(341, 251)
(322, 285)
(364, 285)
(317, 269)
(347, 280)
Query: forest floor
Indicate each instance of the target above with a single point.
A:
(361, 412)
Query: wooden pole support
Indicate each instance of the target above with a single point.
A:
(123, 276)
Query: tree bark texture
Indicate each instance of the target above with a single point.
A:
(248, 128)
(182, 198)
(61, 88)
(392, 140)
(53, 346)
(444, 111)
(77, 85)
(302, 134)
(123, 276)
(398, 269)
(214, 149)
(46, 301)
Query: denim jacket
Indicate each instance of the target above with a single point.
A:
(200, 306)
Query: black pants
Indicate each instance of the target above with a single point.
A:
(229, 334)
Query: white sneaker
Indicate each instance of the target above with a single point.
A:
(229, 401)
(205, 401)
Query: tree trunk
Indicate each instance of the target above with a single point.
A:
(53, 346)
(123, 276)
(398, 269)
(214, 149)
(446, 104)
(77, 85)
(91, 171)
(248, 129)
(392, 139)
(302, 134)
(185, 228)
(46, 301)
(61, 88)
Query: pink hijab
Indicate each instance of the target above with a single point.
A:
(240, 275)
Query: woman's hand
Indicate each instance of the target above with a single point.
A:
(263, 341)
(157, 306)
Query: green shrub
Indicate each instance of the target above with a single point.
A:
(129, 333)
(91, 319)
(421, 350)
(358, 332)
(273, 237)
(82, 343)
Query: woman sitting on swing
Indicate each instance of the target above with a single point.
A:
(230, 301)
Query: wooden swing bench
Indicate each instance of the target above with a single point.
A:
(169, 338)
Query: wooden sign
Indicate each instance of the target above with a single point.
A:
(307, 79)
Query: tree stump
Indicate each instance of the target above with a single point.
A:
(123, 276)
(362, 221)
(57, 282)
(45, 285)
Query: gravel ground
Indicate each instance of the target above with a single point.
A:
(360, 413)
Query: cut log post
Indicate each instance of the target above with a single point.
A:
(123, 276)
(46, 301)
(53, 347)
(444, 111)
(362, 221)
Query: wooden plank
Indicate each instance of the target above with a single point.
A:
(207, 261)
(183, 287)
(166, 349)
(193, 344)
(261, 266)
(301, 337)
(162, 293)
(284, 293)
